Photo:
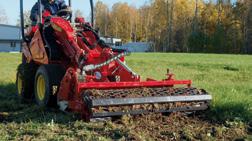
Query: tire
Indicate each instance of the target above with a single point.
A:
(25, 80)
(47, 83)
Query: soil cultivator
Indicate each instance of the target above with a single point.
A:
(66, 64)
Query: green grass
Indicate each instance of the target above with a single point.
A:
(228, 78)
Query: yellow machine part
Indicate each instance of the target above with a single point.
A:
(41, 87)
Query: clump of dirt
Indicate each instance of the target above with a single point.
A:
(176, 126)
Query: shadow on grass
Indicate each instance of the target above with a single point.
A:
(13, 109)
(230, 111)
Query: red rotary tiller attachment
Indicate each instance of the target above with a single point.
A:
(108, 99)
(158, 100)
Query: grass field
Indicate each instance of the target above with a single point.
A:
(228, 78)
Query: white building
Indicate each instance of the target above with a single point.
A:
(137, 47)
(10, 38)
(113, 42)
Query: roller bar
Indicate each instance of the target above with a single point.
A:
(149, 100)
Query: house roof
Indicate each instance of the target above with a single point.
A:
(6, 25)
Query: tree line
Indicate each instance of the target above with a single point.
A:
(213, 26)
(220, 26)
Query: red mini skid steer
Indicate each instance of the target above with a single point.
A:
(66, 64)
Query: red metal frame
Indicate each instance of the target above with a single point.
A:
(121, 85)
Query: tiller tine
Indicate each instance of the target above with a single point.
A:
(109, 103)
